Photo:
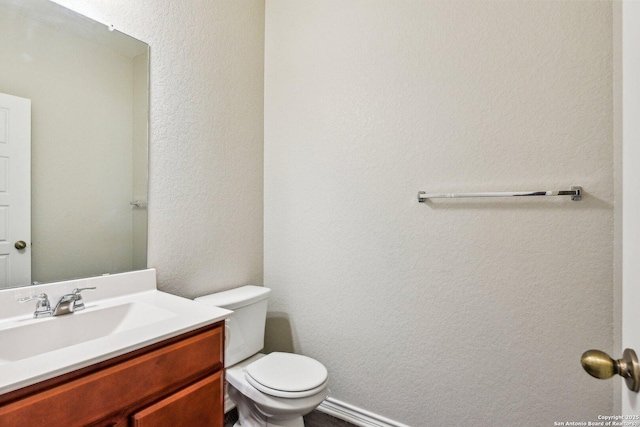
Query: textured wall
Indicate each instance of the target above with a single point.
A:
(476, 310)
(206, 130)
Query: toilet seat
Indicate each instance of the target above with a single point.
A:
(287, 375)
(237, 378)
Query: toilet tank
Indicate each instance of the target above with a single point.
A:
(245, 328)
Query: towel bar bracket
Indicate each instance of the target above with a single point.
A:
(578, 193)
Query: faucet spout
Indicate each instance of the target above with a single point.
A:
(71, 302)
(65, 305)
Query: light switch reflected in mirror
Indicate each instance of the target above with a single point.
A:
(88, 92)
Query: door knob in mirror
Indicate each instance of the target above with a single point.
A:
(599, 364)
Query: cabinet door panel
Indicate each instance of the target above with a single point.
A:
(197, 405)
(130, 384)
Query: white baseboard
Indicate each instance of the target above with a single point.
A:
(355, 415)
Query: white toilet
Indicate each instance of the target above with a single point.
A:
(273, 390)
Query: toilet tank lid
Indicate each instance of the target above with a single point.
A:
(236, 298)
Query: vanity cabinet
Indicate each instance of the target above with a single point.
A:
(177, 382)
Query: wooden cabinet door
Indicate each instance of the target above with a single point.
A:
(108, 395)
(200, 404)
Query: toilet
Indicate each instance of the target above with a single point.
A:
(272, 390)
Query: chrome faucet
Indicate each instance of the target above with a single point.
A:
(68, 303)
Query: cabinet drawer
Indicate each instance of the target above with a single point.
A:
(200, 404)
(125, 385)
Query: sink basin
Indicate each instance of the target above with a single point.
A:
(125, 313)
(43, 335)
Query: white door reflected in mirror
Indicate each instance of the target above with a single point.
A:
(15, 190)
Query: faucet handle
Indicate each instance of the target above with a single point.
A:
(39, 297)
(79, 303)
(77, 291)
(43, 307)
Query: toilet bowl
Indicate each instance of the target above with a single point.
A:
(269, 390)
(262, 406)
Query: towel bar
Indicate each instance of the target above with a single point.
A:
(575, 193)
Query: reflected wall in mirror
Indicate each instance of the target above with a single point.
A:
(88, 90)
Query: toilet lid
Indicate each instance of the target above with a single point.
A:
(287, 372)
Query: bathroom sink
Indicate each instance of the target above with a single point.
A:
(125, 313)
(37, 336)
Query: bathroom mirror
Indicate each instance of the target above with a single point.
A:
(87, 87)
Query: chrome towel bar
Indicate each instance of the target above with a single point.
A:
(575, 193)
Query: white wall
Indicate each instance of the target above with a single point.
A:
(470, 312)
(81, 163)
(206, 160)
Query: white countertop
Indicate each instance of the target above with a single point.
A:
(177, 315)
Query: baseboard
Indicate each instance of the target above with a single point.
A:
(354, 415)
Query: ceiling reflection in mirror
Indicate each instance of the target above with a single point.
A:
(87, 88)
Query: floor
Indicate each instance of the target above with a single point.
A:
(314, 419)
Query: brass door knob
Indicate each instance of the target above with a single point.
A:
(20, 244)
(598, 364)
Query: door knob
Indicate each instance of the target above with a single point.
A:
(598, 364)
(20, 244)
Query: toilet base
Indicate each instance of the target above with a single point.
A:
(299, 422)
(250, 416)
